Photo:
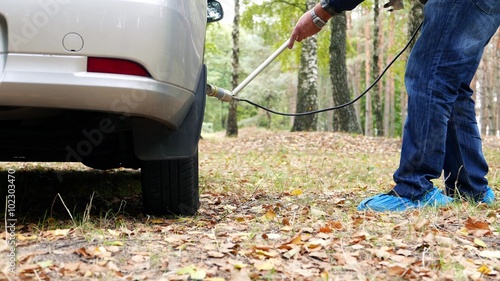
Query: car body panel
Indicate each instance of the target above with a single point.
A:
(44, 45)
(28, 82)
(145, 31)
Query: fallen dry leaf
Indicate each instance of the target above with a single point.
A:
(264, 265)
(215, 254)
(270, 215)
(473, 224)
(490, 254)
(396, 270)
(480, 243)
(292, 252)
(484, 269)
(420, 223)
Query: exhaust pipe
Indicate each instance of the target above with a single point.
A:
(219, 93)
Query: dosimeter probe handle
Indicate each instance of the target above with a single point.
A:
(260, 68)
(229, 96)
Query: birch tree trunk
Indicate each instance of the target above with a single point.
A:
(232, 118)
(416, 17)
(368, 99)
(479, 99)
(389, 87)
(345, 117)
(354, 71)
(377, 101)
(489, 92)
(487, 89)
(307, 83)
(496, 86)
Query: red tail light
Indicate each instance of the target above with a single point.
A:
(116, 66)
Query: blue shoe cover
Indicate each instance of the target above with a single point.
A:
(434, 198)
(386, 202)
(393, 203)
(489, 196)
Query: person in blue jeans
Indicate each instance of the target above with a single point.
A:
(441, 132)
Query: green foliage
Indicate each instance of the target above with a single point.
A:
(273, 21)
(269, 88)
(218, 61)
(265, 25)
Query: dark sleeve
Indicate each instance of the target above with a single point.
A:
(343, 5)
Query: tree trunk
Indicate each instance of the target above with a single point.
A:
(377, 101)
(368, 96)
(354, 72)
(307, 83)
(389, 86)
(416, 16)
(232, 118)
(489, 93)
(480, 100)
(345, 117)
(496, 86)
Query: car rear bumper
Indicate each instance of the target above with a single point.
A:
(48, 81)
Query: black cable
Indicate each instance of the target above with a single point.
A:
(345, 104)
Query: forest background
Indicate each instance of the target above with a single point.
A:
(329, 69)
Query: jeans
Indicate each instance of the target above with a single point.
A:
(441, 132)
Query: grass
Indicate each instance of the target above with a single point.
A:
(264, 194)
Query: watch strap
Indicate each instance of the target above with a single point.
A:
(320, 23)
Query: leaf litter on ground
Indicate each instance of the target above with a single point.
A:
(274, 206)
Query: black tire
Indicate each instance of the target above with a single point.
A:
(170, 187)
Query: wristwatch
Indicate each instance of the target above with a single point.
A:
(328, 8)
(317, 20)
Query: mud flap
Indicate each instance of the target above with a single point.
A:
(154, 141)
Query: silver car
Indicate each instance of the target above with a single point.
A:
(108, 83)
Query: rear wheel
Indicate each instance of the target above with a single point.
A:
(170, 187)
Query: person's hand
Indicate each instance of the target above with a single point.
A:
(394, 5)
(303, 29)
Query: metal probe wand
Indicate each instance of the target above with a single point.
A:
(229, 96)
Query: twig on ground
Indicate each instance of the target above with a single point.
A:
(64, 204)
